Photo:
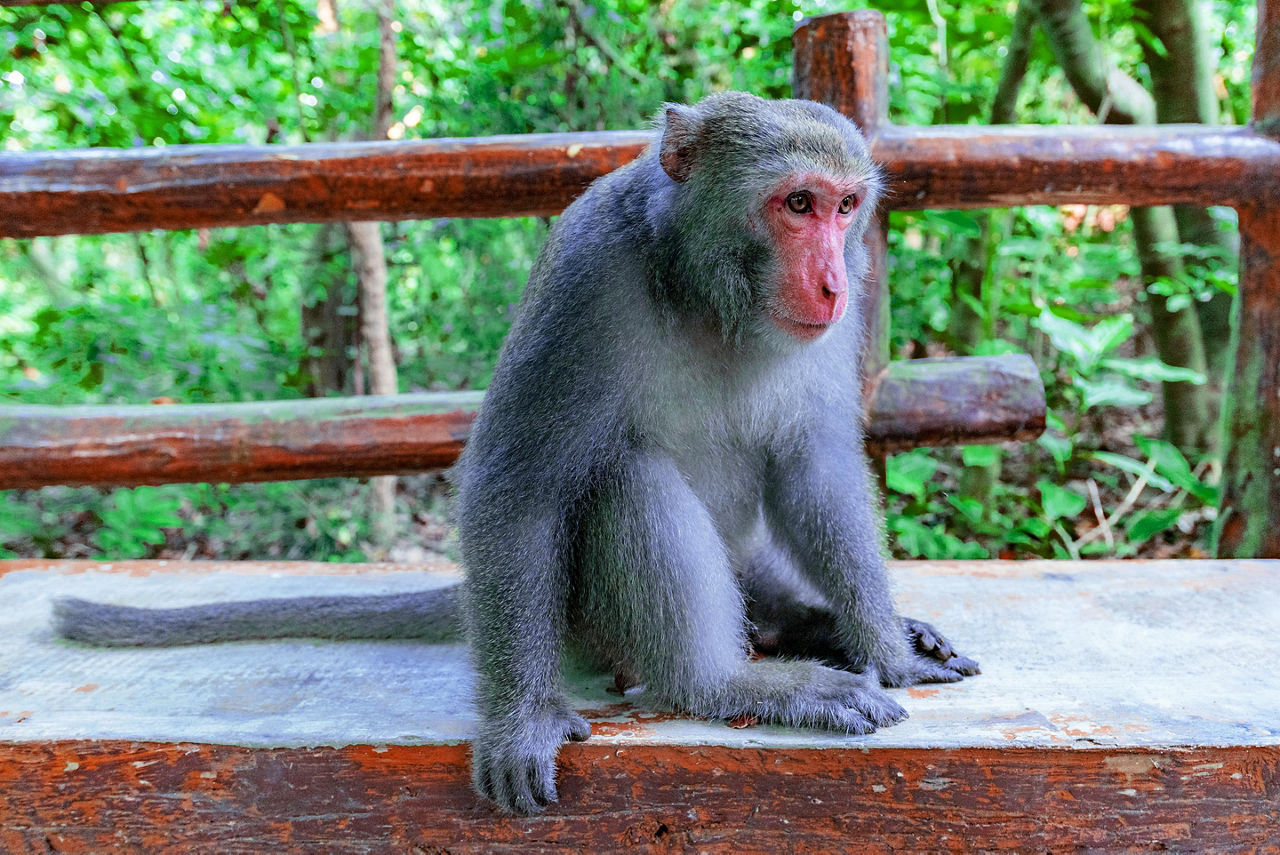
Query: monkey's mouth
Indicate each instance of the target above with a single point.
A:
(803, 330)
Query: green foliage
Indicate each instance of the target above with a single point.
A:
(134, 521)
(214, 316)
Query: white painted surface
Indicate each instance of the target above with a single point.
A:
(1081, 654)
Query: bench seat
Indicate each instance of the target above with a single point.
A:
(1122, 704)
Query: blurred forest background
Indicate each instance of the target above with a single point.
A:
(1125, 311)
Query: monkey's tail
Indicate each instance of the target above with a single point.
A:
(431, 616)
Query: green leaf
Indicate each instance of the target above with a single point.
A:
(1059, 502)
(981, 455)
(1146, 524)
(1153, 369)
(971, 508)
(908, 472)
(1085, 345)
(958, 223)
(1035, 527)
(1171, 464)
(1059, 447)
(1135, 467)
(1111, 392)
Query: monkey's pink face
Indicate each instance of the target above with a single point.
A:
(808, 216)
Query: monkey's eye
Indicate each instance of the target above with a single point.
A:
(799, 203)
(848, 203)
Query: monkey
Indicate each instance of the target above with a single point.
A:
(667, 468)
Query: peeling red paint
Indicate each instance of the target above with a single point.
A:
(181, 797)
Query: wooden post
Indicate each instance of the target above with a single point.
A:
(1249, 517)
(843, 60)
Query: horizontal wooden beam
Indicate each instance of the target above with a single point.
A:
(92, 191)
(89, 191)
(969, 400)
(955, 401)
(971, 166)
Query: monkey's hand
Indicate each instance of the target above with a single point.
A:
(513, 758)
(930, 658)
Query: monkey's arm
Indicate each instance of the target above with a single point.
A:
(822, 505)
(516, 605)
(432, 616)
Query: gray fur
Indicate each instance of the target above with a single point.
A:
(431, 616)
(659, 476)
(649, 436)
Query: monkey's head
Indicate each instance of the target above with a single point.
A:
(770, 203)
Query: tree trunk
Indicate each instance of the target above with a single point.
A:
(1118, 99)
(327, 329)
(1182, 83)
(369, 259)
(1248, 524)
(972, 274)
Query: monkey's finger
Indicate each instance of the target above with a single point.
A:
(964, 665)
(852, 721)
(542, 782)
(929, 672)
(481, 777)
(578, 728)
(928, 640)
(880, 709)
(514, 791)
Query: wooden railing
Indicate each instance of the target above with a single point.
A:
(840, 59)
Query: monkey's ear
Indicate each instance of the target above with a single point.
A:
(678, 150)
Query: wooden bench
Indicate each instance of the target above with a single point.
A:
(1122, 704)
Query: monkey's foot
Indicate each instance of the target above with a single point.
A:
(513, 759)
(804, 694)
(932, 659)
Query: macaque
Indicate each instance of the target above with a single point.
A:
(668, 466)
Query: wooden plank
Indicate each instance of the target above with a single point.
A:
(92, 191)
(92, 797)
(1120, 707)
(955, 401)
(233, 443)
(963, 400)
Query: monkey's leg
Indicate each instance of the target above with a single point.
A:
(656, 587)
(515, 600)
(788, 618)
(824, 508)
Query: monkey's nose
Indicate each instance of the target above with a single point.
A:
(832, 299)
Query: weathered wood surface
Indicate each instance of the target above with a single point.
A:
(104, 190)
(233, 443)
(921, 402)
(1121, 706)
(955, 401)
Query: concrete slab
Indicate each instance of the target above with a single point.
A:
(1113, 654)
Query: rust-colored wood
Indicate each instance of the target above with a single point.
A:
(177, 187)
(976, 167)
(87, 797)
(92, 191)
(1266, 68)
(272, 441)
(842, 60)
(1248, 522)
(919, 401)
(974, 399)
